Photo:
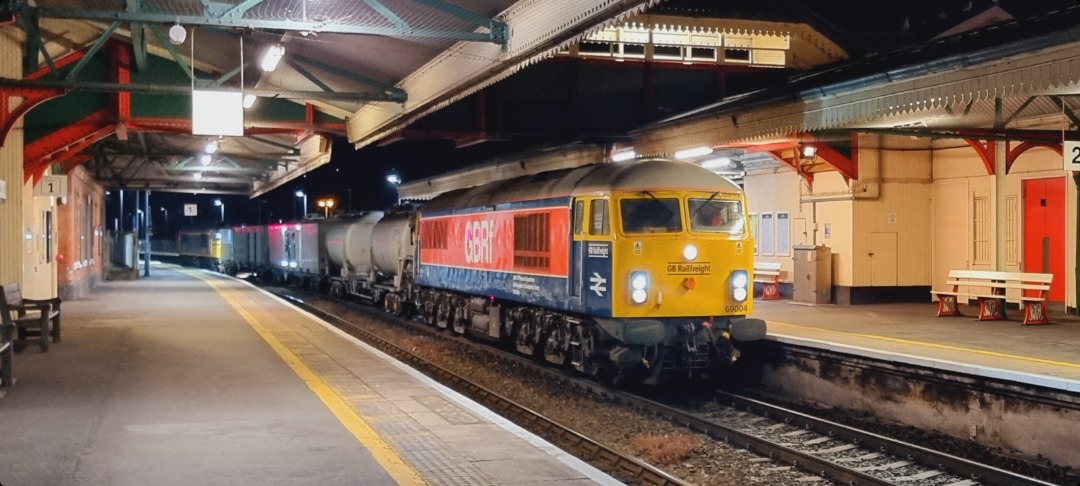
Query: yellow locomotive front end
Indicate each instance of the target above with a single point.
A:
(682, 254)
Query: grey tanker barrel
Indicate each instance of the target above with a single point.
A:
(392, 243)
(348, 243)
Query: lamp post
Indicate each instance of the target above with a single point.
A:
(217, 202)
(302, 194)
(326, 204)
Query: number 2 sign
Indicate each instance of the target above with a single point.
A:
(1072, 155)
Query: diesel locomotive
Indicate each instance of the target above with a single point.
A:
(635, 271)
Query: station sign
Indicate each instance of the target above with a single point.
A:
(1072, 155)
(52, 185)
(191, 210)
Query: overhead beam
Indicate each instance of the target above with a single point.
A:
(385, 88)
(497, 36)
(467, 16)
(241, 8)
(93, 50)
(185, 89)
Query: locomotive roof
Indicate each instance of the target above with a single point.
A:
(639, 175)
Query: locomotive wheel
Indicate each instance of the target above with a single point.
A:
(557, 343)
(337, 290)
(459, 313)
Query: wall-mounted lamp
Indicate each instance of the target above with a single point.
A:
(271, 57)
(249, 100)
(807, 151)
(393, 178)
(177, 34)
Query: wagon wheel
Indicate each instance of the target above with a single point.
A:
(527, 336)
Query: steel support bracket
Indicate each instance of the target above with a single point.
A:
(11, 112)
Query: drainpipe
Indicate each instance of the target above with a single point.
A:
(1076, 243)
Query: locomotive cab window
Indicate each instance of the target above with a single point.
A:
(716, 216)
(650, 215)
(598, 218)
(579, 217)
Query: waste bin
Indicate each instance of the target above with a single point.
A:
(813, 274)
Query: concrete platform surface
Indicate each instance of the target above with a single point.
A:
(187, 377)
(1044, 355)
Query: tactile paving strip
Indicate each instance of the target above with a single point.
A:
(424, 451)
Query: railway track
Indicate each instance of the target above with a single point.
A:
(830, 451)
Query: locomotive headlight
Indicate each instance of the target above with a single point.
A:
(739, 280)
(639, 283)
(284, 263)
(689, 252)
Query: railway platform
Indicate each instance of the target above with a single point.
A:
(187, 377)
(1042, 355)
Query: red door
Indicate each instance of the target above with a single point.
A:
(1044, 231)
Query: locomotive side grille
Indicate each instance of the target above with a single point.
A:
(531, 246)
(433, 235)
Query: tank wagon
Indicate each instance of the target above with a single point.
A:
(637, 271)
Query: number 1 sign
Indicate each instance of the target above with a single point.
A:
(52, 185)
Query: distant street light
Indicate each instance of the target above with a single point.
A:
(217, 202)
(326, 204)
(301, 193)
(393, 178)
(166, 212)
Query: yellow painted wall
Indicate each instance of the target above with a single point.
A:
(900, 214)
(11, 172)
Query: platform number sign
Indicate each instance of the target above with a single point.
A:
(52, 185)
(191, 210)
(1072, 155)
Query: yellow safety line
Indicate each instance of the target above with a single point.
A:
(940, 346)
(384, 453)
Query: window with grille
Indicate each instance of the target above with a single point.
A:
(531, 241)
(433, 235)
(1012, 248)
(981, 240)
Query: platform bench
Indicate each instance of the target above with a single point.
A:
(31, 317)
(768, 275)
(7, 353)
(991, 290)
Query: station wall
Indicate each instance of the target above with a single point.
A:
(81, 249)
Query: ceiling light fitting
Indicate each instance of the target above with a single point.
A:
(807, 151)
(212, 147)
(693, 152)
(271, 57)
(249, 100)
(177, 34)
(623, 155)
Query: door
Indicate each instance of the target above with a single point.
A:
(1044, 231)
(951, 223)
(883, 259)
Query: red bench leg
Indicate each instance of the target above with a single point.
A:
(946, 306)
(770, 291)
(990, 310)
(1035, 313)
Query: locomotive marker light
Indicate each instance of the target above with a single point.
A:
(639, 283)
(739, 281)
(689, 252)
